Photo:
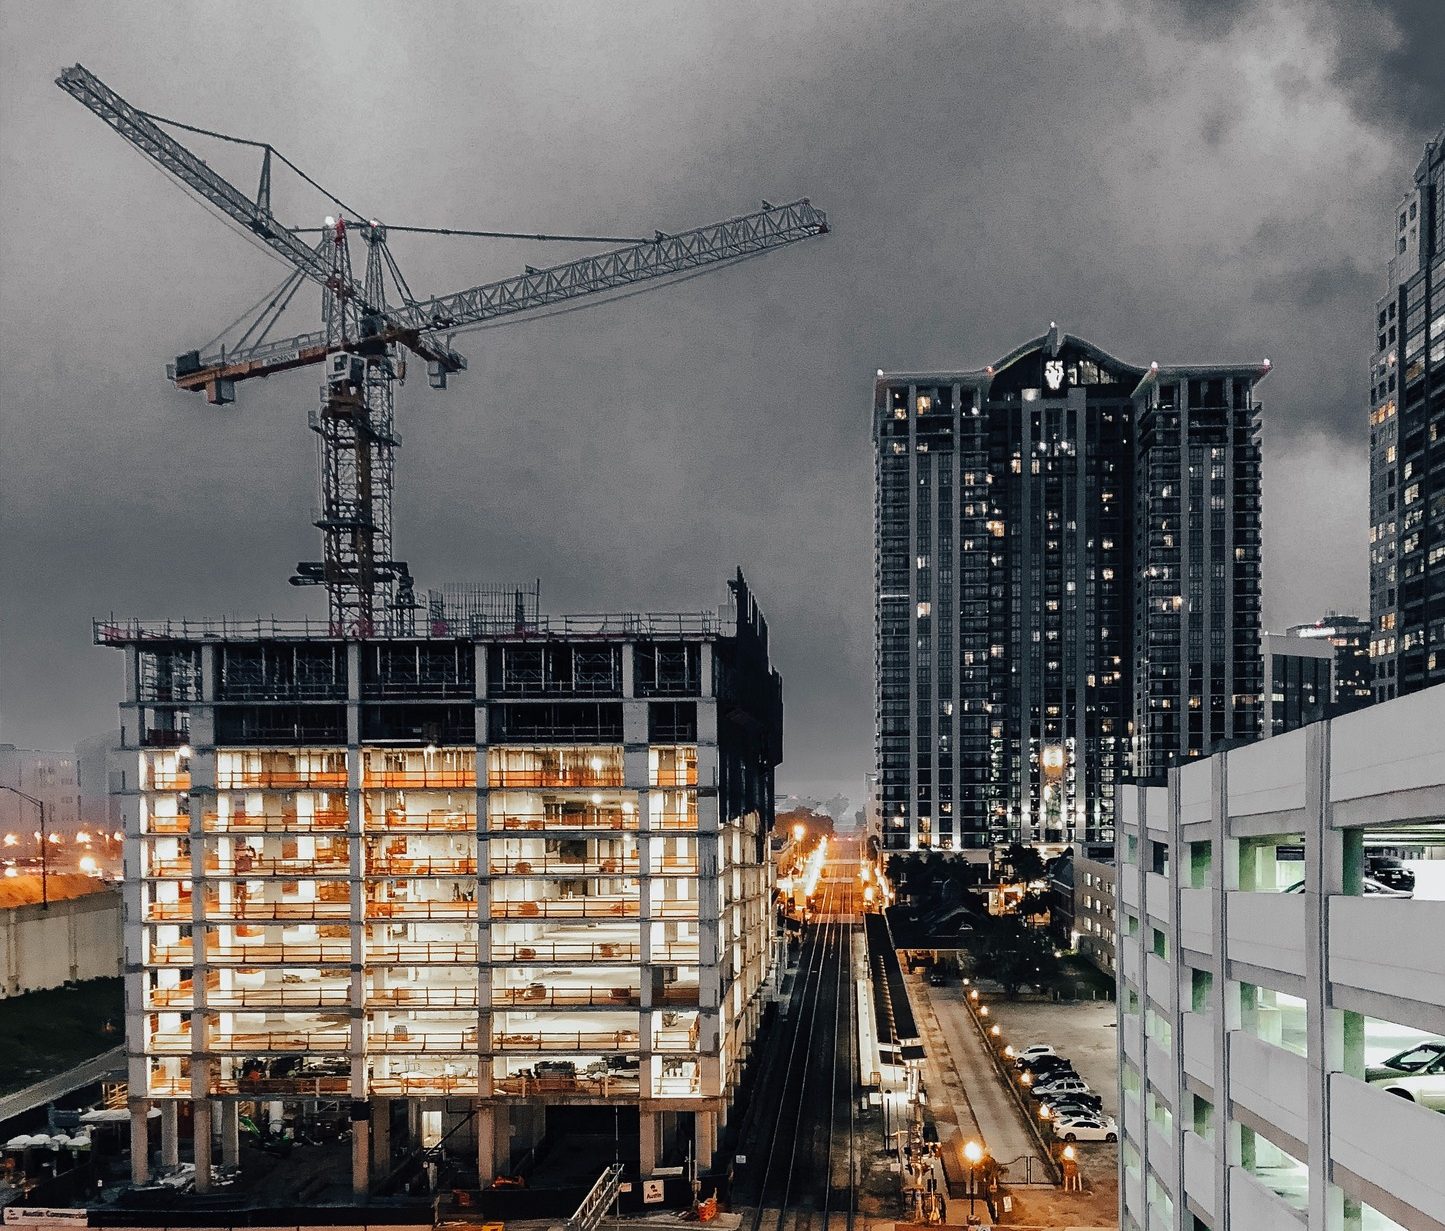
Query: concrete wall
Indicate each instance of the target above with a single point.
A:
(74, 939)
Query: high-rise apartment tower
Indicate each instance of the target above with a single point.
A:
(1067, 587)
(1407, 444)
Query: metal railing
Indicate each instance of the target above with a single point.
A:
(539, 994)
(560, 779)
(539, 824)
(575, 1041)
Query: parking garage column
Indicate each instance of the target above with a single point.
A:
(140, 1142)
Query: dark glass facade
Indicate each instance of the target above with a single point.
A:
(1013, 625)
(1407, 446)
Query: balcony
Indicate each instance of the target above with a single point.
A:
(294, 779)
(252, 867)
(403, 1040)
(599, 819)
(421, 911)
(397, 867)
(591, 908)
(598, 951)
(437, 821)
(275, 822)
(557, 777)
(579, 1042)
(178, 1042)
(441, 779)
(539, 995)
(525, 1085)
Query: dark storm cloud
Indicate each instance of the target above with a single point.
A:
(1169, 188)
(1386, 54)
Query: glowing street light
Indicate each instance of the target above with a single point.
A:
(973, 1153)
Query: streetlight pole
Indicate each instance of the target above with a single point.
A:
(973, 1152)
(44, 851)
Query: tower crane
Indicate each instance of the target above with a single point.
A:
(364, 340)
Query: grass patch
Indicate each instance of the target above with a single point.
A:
(44, 1033)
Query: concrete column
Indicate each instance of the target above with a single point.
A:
(381, 1134)
(705, 1137)
(201, 1143)
(502, 1140)
(230, 1134)
(646, 1143)
(170, 1133)
(486, 1122)
(360, 1159)
(140, 1142)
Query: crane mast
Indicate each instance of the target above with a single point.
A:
(363, 341)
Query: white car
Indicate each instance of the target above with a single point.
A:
(1417, 1074)
(1086, 1128)
(1032, 1052)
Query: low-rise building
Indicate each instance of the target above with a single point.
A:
(1299, 681)
(1261, 997)
(1094, 914)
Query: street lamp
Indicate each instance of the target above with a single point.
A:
(44, 854)
(973, 1152)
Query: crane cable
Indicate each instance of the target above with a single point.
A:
(358, 214)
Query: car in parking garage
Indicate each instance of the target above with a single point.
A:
(1086, 1128)
(1369, 887)
(1390, 872)
(1417, 1074)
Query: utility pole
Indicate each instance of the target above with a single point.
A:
(44, 848)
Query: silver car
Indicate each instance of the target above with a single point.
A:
(1417, 1074)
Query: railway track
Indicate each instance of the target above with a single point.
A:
(801, 1140)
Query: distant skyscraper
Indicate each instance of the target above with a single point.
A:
(1407, 444)
(1067, 577)
(1350, 637)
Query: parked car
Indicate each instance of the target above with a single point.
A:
(936, 978)
(1086, 1128)
(1417, 1074)
(1390, 872)
(1070, 1084)
(1370, 887)
(1032, 1052)
(1073, 1104)
(1040, 1066)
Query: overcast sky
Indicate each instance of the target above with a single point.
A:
(1180, 181)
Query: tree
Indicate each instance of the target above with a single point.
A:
(1025, 862)
(1015, 955)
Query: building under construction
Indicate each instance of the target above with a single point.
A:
(448, 884)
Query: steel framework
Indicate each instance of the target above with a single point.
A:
(362, 340)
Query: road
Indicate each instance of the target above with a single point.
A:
(42, 1092)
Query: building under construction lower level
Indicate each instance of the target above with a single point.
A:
(473, 875)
